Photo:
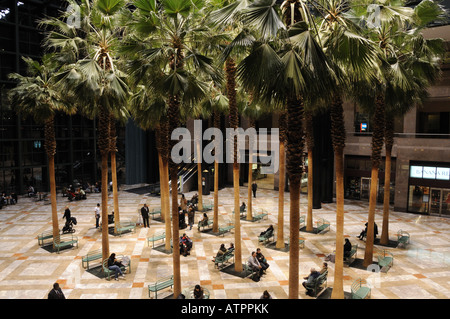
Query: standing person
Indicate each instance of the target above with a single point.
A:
(67, 213)
(144, 213)
(97, 215)
(56, 292)
(183, 202)
(191, 217)
(254, 188)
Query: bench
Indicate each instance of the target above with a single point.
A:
(91, 256)
(222, 259)
(108, 272)
(317, 283)
(266, 237)
(203, 225)
(155, 237)
(352, 256)
(360, 290)
(385, 259)
(64, 240)
(403, 238)
(322, 225)
(302, 221)
(224, 229)
(155, 211)
(242, 211)
(208, 205)
(45, 235)
(123, 226)
(160, 284)
(260, 216)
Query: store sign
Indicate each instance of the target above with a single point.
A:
(430, 172)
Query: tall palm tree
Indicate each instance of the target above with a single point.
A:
(286, 65)
(37, 95)
(353, 60)
(168, 34)
(228, 18)
(91, 72)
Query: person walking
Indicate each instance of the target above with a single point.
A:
(254, 188)
(97, 215)
(67, 213)
(144, 213)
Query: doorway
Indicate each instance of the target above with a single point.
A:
(440, 201)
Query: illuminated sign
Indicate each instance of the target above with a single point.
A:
(363, 127)
(430, 172)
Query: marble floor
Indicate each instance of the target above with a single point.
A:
(28, 271)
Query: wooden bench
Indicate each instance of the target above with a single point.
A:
(45, 235)
(156, 237)
(352, 256)
(222, 259)
(204, 225)
(360, 290)
(91, 256)
(322, 225)
(403, 238)
(64, 240)
(385, 259)
(317, 283)
(108, 272)
(226, 228)
(123, 226)
(160, 284)
(266, 237)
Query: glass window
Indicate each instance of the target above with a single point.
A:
(418, 199)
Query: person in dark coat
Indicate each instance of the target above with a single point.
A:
(144, 213)
(67, 214)
(56, 292)
(254, 188)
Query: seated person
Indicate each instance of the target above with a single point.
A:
(231, 248)
(82, 194)
(185, 245)
(310, 280)
(204, 220)
(347, 247)
(114, 264)
(31, 191)
(262, 260)
(364, 232)
(243, 207)
(267, 231)
(198, 292)
(254, 264)
(194, 200)
(222, 250)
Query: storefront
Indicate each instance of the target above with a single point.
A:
(358, 178)
(429, 188)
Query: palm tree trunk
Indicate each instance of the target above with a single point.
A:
(389, 141)
(281, 181)
(113, 150)
(310, 145)
(161, 181)
(164, 187)
(295, 170)
(234, 122)
(199, 179)
(50, 147)
(216, 179)
(377, 145)
(104, 145)
(250, 181)
(338, 139)
(174, 115)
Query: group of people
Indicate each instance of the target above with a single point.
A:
(6, 199)
(258, 263)
(185, 245)
(223, 250)
(75, 194)
(187, 207)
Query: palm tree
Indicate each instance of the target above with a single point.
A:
(228, 17)
(286, 66)
(168, 34)
(91, 72)
(309, 132)
(353, 60)
(37, 95)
